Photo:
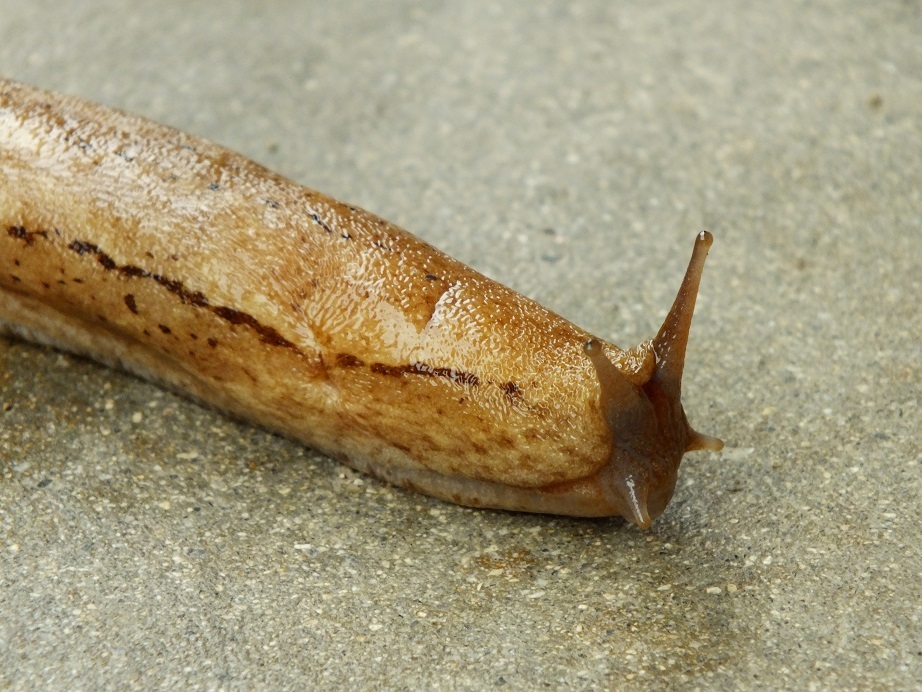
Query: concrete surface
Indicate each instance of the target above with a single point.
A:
(571, 150)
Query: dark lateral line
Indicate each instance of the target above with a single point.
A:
(22, 234)
(347, 360)
(173, 286)
(511, 390)
(267, 334)
(456, 376)
(514, 393)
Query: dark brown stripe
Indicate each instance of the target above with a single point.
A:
(22, 234)
(266, 333)
(513, 393)
(347, 360)
(456, 376)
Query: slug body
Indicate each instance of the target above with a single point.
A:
(151, 250)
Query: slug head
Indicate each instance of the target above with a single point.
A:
(649, 430)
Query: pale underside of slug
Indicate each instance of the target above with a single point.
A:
(158, 252)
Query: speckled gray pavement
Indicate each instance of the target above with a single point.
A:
(572, 151)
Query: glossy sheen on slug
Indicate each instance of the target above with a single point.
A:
(155, 251)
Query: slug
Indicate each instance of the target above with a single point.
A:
(152, 250)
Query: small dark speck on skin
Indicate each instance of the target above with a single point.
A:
(506, 442)
(513, 393)
(213, 342)
(20, 233)
(390, 370)
(431, 277)
(163, 328)
(130, 302)
(320, 221)
(81, 247)
(347, 360)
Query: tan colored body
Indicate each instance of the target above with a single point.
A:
(146, 248)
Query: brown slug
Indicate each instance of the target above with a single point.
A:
(148, 249)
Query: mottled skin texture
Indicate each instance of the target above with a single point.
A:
(152, 250)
